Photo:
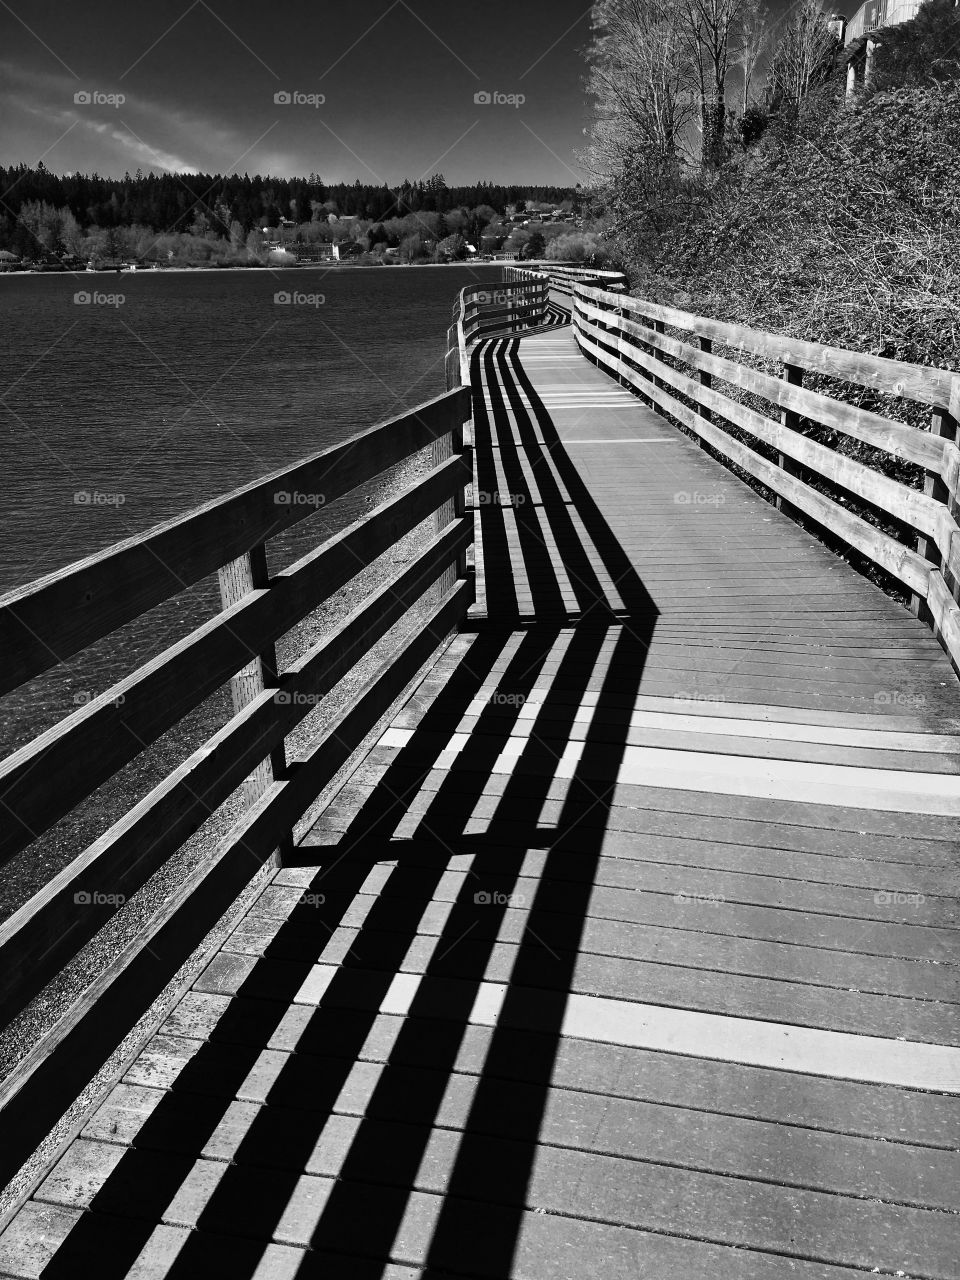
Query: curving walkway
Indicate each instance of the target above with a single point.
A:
(628, 951)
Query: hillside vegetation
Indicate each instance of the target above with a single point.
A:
(814, 215)
(837, 221)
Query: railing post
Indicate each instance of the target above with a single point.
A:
(659, 327)
(790, 419)
(621, 377)
(706, 380)
(237, 579)
(943, 424)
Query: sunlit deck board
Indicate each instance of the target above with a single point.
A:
(618, 955)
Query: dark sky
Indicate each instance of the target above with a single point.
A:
(199, 81)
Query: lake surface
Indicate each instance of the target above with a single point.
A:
(195, 383)
(118, 414)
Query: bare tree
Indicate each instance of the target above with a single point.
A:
(711, 33)
(752, 38)
(803, 56)
(640, 81)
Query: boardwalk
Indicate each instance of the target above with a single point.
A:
(627, 951)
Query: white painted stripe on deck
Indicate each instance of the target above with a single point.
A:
(892, 790)
(839, 1055)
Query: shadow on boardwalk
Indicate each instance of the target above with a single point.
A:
(543, 672)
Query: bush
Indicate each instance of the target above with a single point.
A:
(579, 246)
(844, 229)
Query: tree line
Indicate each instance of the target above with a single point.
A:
(224, 206)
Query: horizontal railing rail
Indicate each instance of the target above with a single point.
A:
(682, 375)
(46, 622)
(563, 278)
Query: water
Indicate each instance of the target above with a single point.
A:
(121, 413)
(196, 383)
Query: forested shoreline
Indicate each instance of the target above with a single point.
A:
(203, 219)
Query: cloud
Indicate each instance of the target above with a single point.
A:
(141, 151)
(140, 130)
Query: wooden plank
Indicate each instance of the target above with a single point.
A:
(822, 1105)
(666, 964)
(543, 1233)
(45, 1083)
(50, 928)
(49, 620)
(680, 1136)
(945, 614)
(92, 744)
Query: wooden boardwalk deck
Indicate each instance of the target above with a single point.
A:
(628, 951)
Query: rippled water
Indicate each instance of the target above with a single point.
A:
(196, 383)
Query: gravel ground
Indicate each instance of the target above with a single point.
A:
(21, 1035)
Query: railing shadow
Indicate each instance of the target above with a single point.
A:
(512, 815)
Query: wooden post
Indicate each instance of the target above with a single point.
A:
(706, 380)
(933, 487)
(789, 418)
(658, 327)
(622, 377)
(237, 579)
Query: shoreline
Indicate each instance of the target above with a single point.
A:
(299, 266)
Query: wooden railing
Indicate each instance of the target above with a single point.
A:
(669, 357)
(480, 310)
(45, 623)
(563, 278)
